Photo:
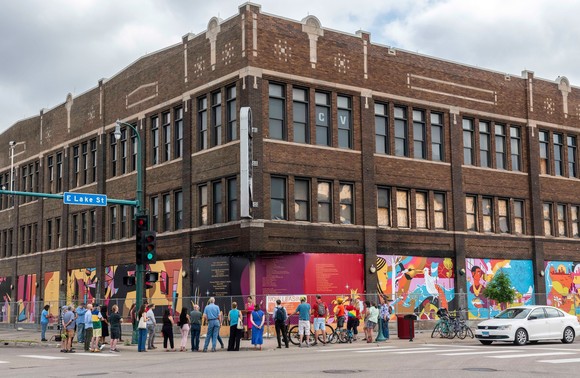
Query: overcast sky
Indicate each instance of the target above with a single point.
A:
(51, 48)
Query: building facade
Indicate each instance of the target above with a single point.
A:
(373, 170)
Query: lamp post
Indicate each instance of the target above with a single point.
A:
(139, 268)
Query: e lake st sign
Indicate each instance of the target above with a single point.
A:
(70, 198)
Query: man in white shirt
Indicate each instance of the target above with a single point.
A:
(151, 327)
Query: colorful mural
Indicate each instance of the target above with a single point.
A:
(26, 298)
(51, 291)
(481, 271)
(5, 299)
(563, 285)
(416, 284)
(81, 285)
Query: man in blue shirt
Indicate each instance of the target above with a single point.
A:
(212, 315)
(44, 319)
(88, 326)
(303, 310)
(81, 311)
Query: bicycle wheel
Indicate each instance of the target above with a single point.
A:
(293, 335)
(342, 336)
(462, 331)
(436, 330)
(452, 329)
(329, 334)
(470, 332)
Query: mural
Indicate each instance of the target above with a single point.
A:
(26, 298)
(416, 284)
(481, 271)
(5, 299)
(81, 285)
(563, 285)
(51, 291)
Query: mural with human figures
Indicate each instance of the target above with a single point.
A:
(81, 285)
(5, 299)
(416, 284)
(563, 285)
(479, 272)
(26, 298)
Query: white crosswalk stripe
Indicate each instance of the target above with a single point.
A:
(97, 354)
(355, 349)
(4, 362)
(41, 357)
(476, 352)
(532, 355)
(413, 351)
(562, 361)
(391, 350)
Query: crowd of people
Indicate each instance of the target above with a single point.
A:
(93, 324)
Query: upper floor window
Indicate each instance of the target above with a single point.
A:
(487, 214)
(231, 113)
(302, 199)
(439, 209)
(575, 220)
(558, 155)
(59, 172)
(216, 118)
(403, 209)
(503, 215)
(468, 141)
(500, 146)
(155, 140)
(217, 208)
(166, 212)
(421, 210)
(232, 198)
(124, 151)
(419, 135)
(344, 122)
(324, 198)
(323, 136)
(471, 213)
(381, 128)
(519, 220)
(384, 207)
(300, 117)
(178, 214)
(154, 209)
(484, 144)
(572, 156)
(278, 198)
(166, 127)
(346, 204)
(544, 152)
(548, 226)
(178, 126)
(438, 154)
(516, 148)
(203, 215)
(277, 111)
(401, 145)
(562, 220)
(202, 123)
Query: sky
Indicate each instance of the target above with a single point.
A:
(51, 48)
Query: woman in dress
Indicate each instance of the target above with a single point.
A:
(167, 330)
(258, 318)
(105, 324)
(184, 326)
(142, 328)
(115, 322)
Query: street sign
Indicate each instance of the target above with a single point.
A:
(70, 198)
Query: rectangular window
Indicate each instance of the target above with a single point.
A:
(439, 211)
(421, 210)
(402, 209)
(487, 213)
(302, 200)
(216, 118)
(166, 127)
(178, 216)
(468, 130)
(76, 167)
(300, 115)
(516, 148)
(203, 216)
(519, 217)
(202, 123)
(124, 151)
(437, 137)
(166, 212)
(217, 203)
(93, 160)
(133, 226)
(50, 164)
(59, 172)
(124, 217)
(233, 200)
(277, 111)
(384, 207)
(558, 155)
(484, 144)
(178, 125)
(344, 122)
(278, 198)
(93, 233)
(49, 234)
(113, 222)
(471, 213)
(58, 232)
(231, 113)
(154, 226)
(346, 204)
(547, 212)
(324, 202)
(154, 140)
(113, 155)
(562, 221)
(419, 136)
(84, 228)
(500, 146)
(401, 148)
(85, 163)
(572, 148)
(503, 216)
(322, 118)
(75, 227)
(575, 220)
(381, 128)
(544, 152)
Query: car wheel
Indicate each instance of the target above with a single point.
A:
(521, 337)
(485, 342)
(568, 336)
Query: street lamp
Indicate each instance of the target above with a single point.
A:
(139, 268)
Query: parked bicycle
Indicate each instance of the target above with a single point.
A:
(450, 326)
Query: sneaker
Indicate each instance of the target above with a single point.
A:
(71, 351)
(43, 340)
(102, 346)
(97, 351)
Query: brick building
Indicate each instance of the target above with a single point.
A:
(373, 169)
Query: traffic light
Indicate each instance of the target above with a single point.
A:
(149, 247)
(141, 225)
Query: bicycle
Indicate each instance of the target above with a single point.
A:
(442, 327)
(331, 335)
(458, 327)
(294, 337)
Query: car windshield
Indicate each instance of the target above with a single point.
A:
(513, 313)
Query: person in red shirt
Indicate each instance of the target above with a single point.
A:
(320, 314)
(339, 312)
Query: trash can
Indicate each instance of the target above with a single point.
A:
(406, 326)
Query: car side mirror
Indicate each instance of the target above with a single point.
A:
(532, 317)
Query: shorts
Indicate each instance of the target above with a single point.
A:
(303, 327)
(70, 333)
(340, 322)
(319, 324)
(370, 325)
(97, 332)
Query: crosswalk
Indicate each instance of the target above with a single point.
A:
(554, 355)
(55, 358)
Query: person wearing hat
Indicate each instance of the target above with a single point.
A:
(303, 310)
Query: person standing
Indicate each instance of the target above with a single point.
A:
(303, 310)
(134, 322)
(235, 334)
(167, 330)
(195, 318)
(142, 328)
(44, 320)
(81, 311)
(88, 327)
(211, 314)
(104, 324)
(320, 312)
(115, 323)
(249, 309)
(151, 323)
(184, 326)
(258, 319)
(97, 328)
(385, 314)
(280, 317)
(68, 324)
(371, 319)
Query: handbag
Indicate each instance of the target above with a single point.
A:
(142, 323)
(240, 321)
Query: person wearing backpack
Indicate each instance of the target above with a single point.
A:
(280, 317)
(320, 313)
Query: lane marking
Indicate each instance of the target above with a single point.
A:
(395, 350)
(562, 361)
(4, 362)
(532, 355)
(41, 357)
(97, 354)
(480, 352)
(353, 349)
(411, 351)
